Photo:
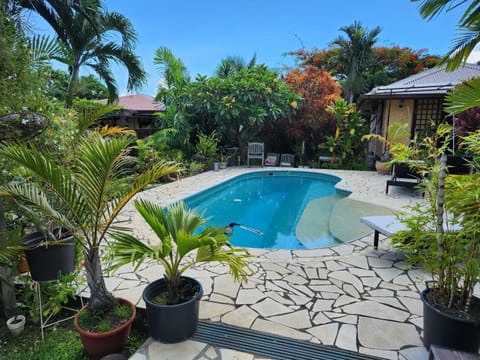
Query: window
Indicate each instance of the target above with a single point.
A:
(426, 112)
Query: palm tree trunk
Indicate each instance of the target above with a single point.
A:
(74, 71)
(100, 297)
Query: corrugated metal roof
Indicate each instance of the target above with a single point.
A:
(138, 103)
(434, 81)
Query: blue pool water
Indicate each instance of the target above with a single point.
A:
(270, 201)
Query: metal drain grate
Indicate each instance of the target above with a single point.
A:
(273, 346)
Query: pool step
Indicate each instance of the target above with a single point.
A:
(270, 345)
(313, 226)
(345, 220)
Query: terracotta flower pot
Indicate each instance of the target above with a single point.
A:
(98, 345)
(382, 167)
(23, 264)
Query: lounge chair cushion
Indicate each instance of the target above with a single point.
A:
(271, 159)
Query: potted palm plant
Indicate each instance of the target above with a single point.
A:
(397, 133)
(184, 240)
(443, 237)
(84, 196)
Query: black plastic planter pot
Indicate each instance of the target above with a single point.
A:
(171, 323)
(448, 331)
(45, 262)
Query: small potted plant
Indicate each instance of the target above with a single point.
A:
(222, 164)
(84, 197)
(443, 237)
(16, 324)
(184, 240)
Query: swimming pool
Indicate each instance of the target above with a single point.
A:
(291, 208)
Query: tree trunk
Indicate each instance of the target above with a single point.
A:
(100, 297)
(440, 201)
(7, 294)
(72, 84)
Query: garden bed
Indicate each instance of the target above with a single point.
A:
(61, 342)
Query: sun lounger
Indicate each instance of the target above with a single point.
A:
(383, 224)
(403, 176)
(389, 224)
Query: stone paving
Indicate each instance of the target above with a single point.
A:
(350, 296)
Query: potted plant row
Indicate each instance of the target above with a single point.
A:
(184, 239)
(443, 237)
(83, 197)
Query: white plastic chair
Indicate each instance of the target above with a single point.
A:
(255, 151)
(287, 160)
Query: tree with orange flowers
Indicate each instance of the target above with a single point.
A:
(312, 122)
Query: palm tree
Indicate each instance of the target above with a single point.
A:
(466, 95)
(184, 240)
(356, 55)
(174, 74)
(468, 25)
(84, 196)
(87, 41)
(232, 64)
(170, 91)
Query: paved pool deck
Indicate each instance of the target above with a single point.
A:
(349, 296)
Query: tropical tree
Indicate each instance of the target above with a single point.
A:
(21, 84)
(85, 194)
(346, 146)
(174, 75)
(174, 78)
(312, 122)
(90, 42)
(231, 64)
(355, 52)
(238, 106)
(389, 64)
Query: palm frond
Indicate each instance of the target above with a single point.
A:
(114, 21)
(9, 246)
(107, 130)
(463, 97)
(463, 46)
(89, 115)
(429, 9)
(45, 48)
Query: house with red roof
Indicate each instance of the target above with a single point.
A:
(138, 112)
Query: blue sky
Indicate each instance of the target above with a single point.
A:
(201, 33)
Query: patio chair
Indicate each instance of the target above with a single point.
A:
(403, 176)
(272, 159)
(255, 151)
(287, 160)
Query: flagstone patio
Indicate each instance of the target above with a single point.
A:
(350, 296)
